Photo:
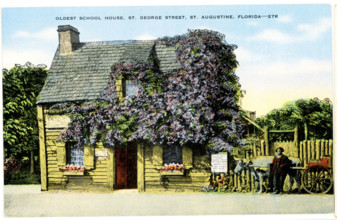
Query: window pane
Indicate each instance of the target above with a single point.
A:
(131, 87)
(75, 155)
(172, 154)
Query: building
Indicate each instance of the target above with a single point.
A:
(79, 73)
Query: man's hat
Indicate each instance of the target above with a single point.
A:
(282, 150)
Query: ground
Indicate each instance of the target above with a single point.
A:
(29, 201)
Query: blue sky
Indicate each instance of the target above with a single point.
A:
(281, 59)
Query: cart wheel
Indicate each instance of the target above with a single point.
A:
(317, 179)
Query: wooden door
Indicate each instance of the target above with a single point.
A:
(121, 168)
(126, 167)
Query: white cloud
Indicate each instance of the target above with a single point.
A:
(146, 37)
(285, 18)
(203, 27)
(244, 56)
(313, 31)
(273, 35)
(283, 69)
(253, 23)
(12, 57)
(48, 34)
(305, 32)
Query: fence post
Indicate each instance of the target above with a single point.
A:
(247, 154)
(231, 180)
(243, 182)
(322, 147)
(239, 181)
(254, 150)
(326, 147)
(330, 147)
(296, 138)
(313, 153)
(301, 151)
(317, 149)
(285, 145)
(263, 150)
(305, 152)
(265, 137)
(309, 150)
(248, 180)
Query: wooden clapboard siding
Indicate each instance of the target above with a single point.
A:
(55, 176)
(193, 180)
(140, 167)
(100, 173)
(57, 180)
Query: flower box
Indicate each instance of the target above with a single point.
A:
(70, 170)
(172, 173)
(172, 169)
(73, 173)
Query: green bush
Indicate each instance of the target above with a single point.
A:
(22, 176)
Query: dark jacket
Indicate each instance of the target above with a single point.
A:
(281, 164)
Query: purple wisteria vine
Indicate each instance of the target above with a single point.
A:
(195, 105)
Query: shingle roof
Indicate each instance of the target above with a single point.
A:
(83, 75)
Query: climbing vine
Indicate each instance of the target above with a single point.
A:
(194, 105)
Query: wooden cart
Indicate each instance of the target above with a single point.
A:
(317, 176)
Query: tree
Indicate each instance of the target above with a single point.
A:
(21, 86)
(195, 105)
(313, 117)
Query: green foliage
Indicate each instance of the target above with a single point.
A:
(22, 176)
(21, 86)
(311, 115)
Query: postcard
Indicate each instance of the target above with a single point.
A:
(168, 110)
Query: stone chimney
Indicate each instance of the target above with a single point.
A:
(68, 37)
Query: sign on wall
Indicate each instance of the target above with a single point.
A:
(219, 163)
(101, 154)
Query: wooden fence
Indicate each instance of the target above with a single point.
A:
(314, 150)
(257, 148)
(307, 151)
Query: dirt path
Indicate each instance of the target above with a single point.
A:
(29, 201)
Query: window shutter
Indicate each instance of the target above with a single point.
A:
(158, 156)
(187, 157)
(61, 154)
(119, 88)
(89, 157)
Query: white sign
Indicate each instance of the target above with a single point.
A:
(219, 163)
(101, 154)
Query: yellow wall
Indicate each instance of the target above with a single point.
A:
(103, 170)
(193, 179)
(54, 126)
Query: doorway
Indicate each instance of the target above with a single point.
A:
(126, 167)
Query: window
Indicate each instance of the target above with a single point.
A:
(172, 154)
(74, 155)
(131, 87)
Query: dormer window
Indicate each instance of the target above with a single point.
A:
(131, 88)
